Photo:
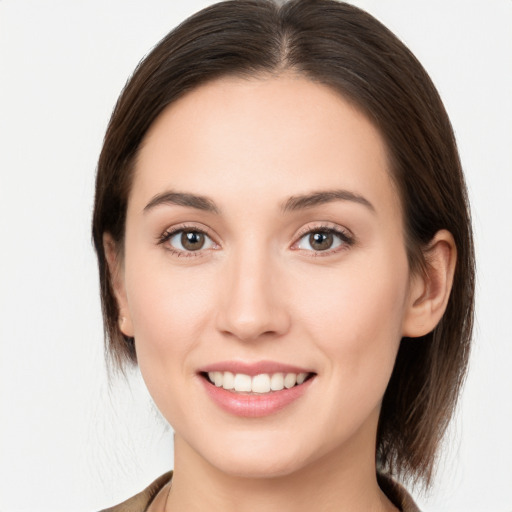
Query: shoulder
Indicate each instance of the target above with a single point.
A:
(141, 501)
(397, 494)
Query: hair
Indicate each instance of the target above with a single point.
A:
(345, 48)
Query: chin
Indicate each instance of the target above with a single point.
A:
(258, 468)
(263, 459)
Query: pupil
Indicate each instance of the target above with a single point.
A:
(192, 240)
(320, 241)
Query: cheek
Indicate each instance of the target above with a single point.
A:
(168, 307)
(168, 310)
(356, 323)
(355, 315)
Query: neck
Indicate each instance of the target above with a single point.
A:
(336, 482)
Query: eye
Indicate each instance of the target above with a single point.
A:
(324, 240)
(183, 241)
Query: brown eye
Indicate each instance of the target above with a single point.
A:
(192, 240)
(324, 240)
(187, 241)
(321, 241)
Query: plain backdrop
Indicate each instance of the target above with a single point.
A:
(69, 440)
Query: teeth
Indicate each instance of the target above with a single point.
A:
(228, 381)
(263, 383)
(243, 382)
(277, 382)
(217, 379)
(290, 379)
(301, 377)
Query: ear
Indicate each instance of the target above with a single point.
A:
(116, 271)
(429, 291)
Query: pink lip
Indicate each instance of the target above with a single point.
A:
(252, 369)
(253, 405)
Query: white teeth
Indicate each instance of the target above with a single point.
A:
(301, 377)
(217, 379)
(263, 383)
(229, 381)
(243, 382)
(290, 380)
(277, 382)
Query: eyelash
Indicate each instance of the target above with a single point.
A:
(346, 239)
(168, 234)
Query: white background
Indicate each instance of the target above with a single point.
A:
(69, 441)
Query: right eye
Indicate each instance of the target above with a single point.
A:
(187, 241)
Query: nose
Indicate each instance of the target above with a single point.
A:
(253, 304)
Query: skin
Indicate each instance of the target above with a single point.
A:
(259, 292)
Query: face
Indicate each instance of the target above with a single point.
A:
(265, 278)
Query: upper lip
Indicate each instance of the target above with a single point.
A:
(252, 368)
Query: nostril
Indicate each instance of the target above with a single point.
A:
(252, 311)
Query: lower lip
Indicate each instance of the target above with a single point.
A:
(254, 405)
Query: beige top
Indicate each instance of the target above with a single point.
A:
(152, 499)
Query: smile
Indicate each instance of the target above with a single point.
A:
(262, 383)
(255, 390)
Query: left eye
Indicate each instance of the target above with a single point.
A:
(322, 240)
(190, 241)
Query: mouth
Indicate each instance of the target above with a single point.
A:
(255, 390)
(260, 384)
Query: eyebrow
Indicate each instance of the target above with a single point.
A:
(305, 201)
(182, 199)
(293, 203)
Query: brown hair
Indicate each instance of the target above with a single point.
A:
(347, 49)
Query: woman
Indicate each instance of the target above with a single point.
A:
(285, 250)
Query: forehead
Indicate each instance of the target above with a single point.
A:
(265, 136)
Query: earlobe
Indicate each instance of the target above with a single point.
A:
(115, 268)
(429, 291)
